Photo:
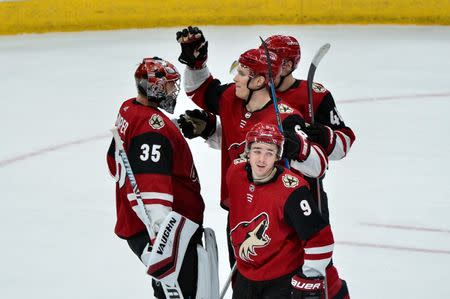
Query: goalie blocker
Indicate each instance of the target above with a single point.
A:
(178, 239)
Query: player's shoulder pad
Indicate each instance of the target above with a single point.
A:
(150, 152)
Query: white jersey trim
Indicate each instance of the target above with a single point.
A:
(152, 195)
(193, 79)
(312, 166)
(319, 250)
(340, 149)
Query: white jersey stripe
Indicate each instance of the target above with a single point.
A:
(319, 250)
(152, 195)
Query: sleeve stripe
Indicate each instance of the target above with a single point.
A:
(152, 195)
(345, 140)
(166, 203)
(317, 257)
(322, 157)
(318, 250)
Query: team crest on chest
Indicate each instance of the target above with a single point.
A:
(317, 87)
(156, 122)
(248, 237)
(289, 181)
(283, 108)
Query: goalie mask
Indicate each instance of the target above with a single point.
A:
(159, 81)
(265, 133)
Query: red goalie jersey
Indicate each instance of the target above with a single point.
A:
(162, 164)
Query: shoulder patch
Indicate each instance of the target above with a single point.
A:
(283, 108)
(156, 122)
(289, 181)
(317, 87)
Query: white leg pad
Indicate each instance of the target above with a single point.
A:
(208, 272)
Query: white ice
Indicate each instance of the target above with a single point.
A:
(389, 205)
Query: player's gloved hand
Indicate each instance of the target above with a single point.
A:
(196, 123)
(296, 143)
(322, 135)
(194, 47)
(307, 287)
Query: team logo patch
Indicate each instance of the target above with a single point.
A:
(247, 236)
(125, 108)
(289, 181)
(283, 108)
(317, 87)
(156, 122)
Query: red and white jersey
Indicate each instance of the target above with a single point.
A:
(325, 113)
(275, 227)
(236, 121)
(161, 162)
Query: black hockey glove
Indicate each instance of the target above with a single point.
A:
(307, 287)
(296, 143)
(194, 47)
(196, 123)
(322, 135)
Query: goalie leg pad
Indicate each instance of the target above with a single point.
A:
(208, 272)
(170, 247)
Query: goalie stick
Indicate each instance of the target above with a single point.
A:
(169, 291)
(310, 80)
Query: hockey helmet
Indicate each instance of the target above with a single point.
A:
(266, 133)
(152, 76)
(285, 46)
(255, 60)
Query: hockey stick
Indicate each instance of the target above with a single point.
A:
(168, 290)
(311, 72)
(273, 95)
(227, 283)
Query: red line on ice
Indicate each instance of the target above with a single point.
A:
(12, 160)
(392, 247)
(406, 227)
(53, 148)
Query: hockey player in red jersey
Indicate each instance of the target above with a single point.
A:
(242, 104)
(281, 242)
(329, 129)
(163, 166)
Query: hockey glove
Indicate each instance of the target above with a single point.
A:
(194, 47)
(196, 123)
(322, 135)
(296, 143)
(307, 287)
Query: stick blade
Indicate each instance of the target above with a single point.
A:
(320, 54)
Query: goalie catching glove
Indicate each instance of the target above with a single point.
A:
(194, 47)
(196, 123)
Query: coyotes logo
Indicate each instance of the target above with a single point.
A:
(317, 87)
(246, 236)
(283, 108)
(289, 181)
(156, 122)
